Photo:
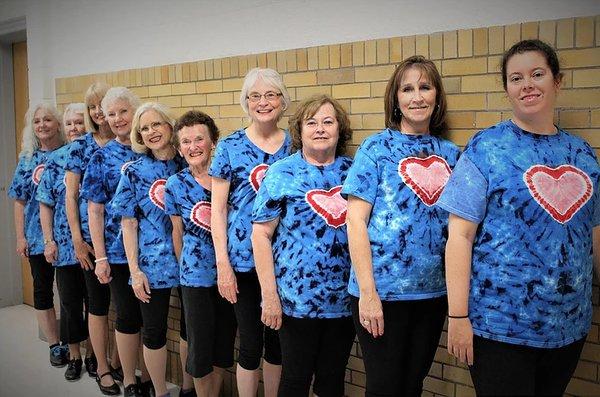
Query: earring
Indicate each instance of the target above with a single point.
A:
(397, 114)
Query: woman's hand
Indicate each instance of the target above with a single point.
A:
(82, 252)
(227, 282)
(50, 252)
(103, 272)
(22, 247)
(370, 313)
(271, 311)
(141, 286)
(460, 339)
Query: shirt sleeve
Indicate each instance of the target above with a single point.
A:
(74, 156)
(124, 202)
(362, 177)
(266, 205)
(465, 194)
(92, 186)
(221, 166)
(596, 216)
(171, 205)
(19, 189)
(45, 192)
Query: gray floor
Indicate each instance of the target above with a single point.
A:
(24, 366)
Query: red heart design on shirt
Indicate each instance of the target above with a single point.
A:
(329, 205)
(425, 177)
(257, 175)
(157, 193)
(200, 215)
(36, 175)
(561, 191)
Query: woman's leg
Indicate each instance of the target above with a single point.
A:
(42, 273)
(555, 368)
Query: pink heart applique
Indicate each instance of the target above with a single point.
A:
(257, 175)
(200, 215)
(157, 193)
(561, 191)
(425, 177)
(36, 175)
(329, 205)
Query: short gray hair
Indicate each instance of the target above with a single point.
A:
(74, 108)
(270, 77)
(119, 93)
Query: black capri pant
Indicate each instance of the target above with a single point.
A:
(73, 296)
(253, 333)
(42, 273)
(98, 293)
(154, 317)
(129, 317)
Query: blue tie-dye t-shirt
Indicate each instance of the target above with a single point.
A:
(535, 198)
(80, 153)
(99, 185)
(23, 187)
(140, 195)
(243, 164)
(402, 176)
(310, 244)
(186, 198)
(51, 191)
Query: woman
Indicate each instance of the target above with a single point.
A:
(396, 235)
(139, 201)
(524, 220)
(42, 134)
(58, 248)
(99, 185)
(240, 163)
(301, 251)
(80, 152)
(209, 318)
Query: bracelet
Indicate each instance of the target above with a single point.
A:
(46, 242)
(101, 260)
(457, 317)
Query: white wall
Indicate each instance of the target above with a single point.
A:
(74, 37)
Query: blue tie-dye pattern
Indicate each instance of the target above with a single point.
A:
(51, 191)
(531, 276)
(235, 157)
(197, 264)
(407, 236)
(133, 199)
(80, 153)
(24, 188)
(100, 184)
(312, 262)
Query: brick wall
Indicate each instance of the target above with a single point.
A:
(356, 74)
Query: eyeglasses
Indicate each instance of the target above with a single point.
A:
(153, 126)
(269, 96)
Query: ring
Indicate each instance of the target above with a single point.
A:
(366, 322)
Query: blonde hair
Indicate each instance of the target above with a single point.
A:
(94, 93)
(29, 142)
(137, 143)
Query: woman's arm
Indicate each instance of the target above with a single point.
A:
(596, 250)
(139, 281)
(262, 237)
(226, 280)
(19, 210)
(82, 249)
(96, 224)
(461, 234)
(46, 219)
(369, 303)
(177, 235)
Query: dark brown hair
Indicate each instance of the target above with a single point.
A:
(192, 118)
(532, 45)
(438, 124)
(307, 109)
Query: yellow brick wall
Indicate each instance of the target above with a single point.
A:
(356, 74)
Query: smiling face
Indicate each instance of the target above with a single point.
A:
(531, 88)
(45, 125)
(119, 114)
(156, 133)
(74, 125)
(195, 145)
(263, 110)
(320, 133)
(96, 113)
(416, 100)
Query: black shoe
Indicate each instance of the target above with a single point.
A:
(91, 366)
(117, 373)
(132, 390)
(147, 389)
(59, 356)
(73, 371)
(111, 390)
(189, 393)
